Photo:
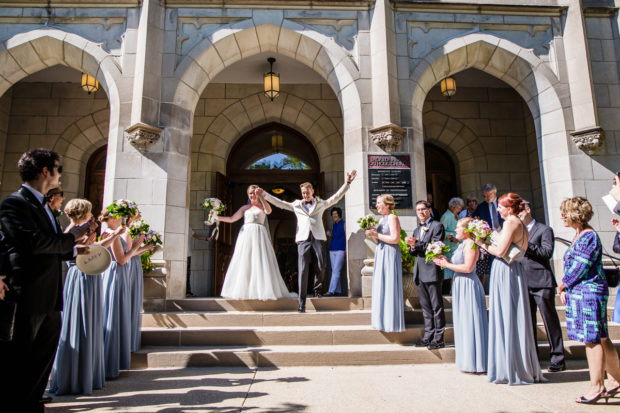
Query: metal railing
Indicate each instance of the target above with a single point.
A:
(613, 258)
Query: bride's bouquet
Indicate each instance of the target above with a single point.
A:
(434, 249)
(138, 228)
(367, 222)
(213, 207)
(480, 229)
(122, 208)
(152, 238)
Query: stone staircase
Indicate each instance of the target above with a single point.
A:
(201, 332)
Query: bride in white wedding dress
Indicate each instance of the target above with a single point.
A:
(253, 273)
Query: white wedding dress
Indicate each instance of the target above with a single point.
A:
(253, 273)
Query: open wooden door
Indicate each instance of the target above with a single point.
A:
(224, 244)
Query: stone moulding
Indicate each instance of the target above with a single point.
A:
(588, 140)
(143, 136)
(388, 137)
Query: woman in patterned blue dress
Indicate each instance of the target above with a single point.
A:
(388, 311)
(584, 291)
(78, 367)
(469, 306)
(117, 301)
(512, 354)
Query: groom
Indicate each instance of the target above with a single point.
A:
(310, 232)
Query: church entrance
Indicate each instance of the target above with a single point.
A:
(278, 159)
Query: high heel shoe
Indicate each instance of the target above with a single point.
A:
(614, 391)
(602, 394)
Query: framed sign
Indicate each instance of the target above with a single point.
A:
(390, 174)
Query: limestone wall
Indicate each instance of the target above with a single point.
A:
(58, 116)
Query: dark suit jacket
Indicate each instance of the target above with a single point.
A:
(483, 212)
(421, 270)
(537, 265)
(35, 253)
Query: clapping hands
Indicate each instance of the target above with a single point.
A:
(351, 176)
(410, 241)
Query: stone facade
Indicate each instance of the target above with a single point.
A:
(379, 63)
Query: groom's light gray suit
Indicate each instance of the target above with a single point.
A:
(310, 235)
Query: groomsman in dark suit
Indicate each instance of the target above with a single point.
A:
(36, 248)
(541, 284)
(428, 277)
(487, 210)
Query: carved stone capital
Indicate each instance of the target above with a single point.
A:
(588, 139)
(143, 136)
(388, 137)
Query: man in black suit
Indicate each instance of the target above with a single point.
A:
(36, 250)
(487, 210)
(541, 284)
(428, 277)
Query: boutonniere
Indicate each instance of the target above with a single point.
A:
(424, 229)
(57, 213)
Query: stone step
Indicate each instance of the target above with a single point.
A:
(302, 335)
(317, 355)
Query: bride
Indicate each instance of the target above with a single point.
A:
(253, 272)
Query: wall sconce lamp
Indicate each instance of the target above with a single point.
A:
(448, 87)
(278, 191)
(89, 83)
(272, 81)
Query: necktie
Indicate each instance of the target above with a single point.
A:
(494, 220)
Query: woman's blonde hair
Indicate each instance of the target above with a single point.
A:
(464, 222)
(78, 208)
(104, 216)
(577, 211)
(388, 200)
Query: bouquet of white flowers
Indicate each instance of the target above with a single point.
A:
(367, 222)
(480, 229)
(213, 207)
(434, 249)
(152, 238)
(122, 208)
(138, 228)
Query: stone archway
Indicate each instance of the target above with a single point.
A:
(530, 77)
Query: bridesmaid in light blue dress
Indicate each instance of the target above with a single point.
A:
(117, 302)
(387, 281)
(79, 367)
(512, 350)
(469, 310)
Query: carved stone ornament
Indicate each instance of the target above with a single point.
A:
(588, 139)
(388, 137)
(143, 136)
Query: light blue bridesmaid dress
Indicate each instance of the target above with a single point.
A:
(79, 364)
(388, 311)
(137, 295)
(512, 350)
(117, 317)
(469, 313)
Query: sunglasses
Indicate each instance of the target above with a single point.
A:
(59, 167)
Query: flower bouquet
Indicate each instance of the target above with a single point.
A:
(152, 238)
(138, 228)
(367, 222)
(480, 229)
(213, 207)
(407, 260)
(122, 208)
(434, 249)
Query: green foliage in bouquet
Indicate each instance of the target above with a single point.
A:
(407, 259)
(147, 265)
(138, 228)
(122, 208)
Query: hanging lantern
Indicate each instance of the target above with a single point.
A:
(272, 81)
(278, 191)
(448, 87)
(277, 143)
(89, 83)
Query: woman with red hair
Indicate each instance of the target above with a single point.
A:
(512, 350)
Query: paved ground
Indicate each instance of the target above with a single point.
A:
(419, 388)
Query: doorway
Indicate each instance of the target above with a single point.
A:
(440, 177)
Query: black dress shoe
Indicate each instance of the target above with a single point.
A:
(317, 294)
(436, 346)
(423, 343)
(301, 309)
(329, 295)
(555, 367)
(46, 399)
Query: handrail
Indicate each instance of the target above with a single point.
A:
(568, 243)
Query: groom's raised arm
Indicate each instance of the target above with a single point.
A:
(277, 201)
(343, 190)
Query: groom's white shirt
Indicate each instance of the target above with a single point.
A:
(309, 220)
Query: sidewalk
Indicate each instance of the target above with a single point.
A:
(405, 388)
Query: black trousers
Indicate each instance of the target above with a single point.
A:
(431, 302)
(304, 261)
(544, 299)
(27, 359)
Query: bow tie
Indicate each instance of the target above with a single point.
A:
(307, 202)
